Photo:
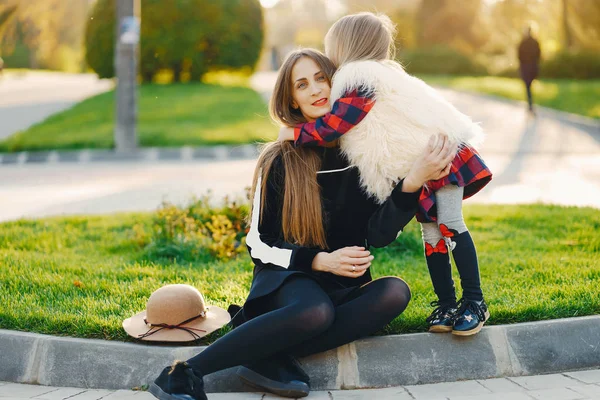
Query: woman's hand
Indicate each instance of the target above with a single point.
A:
(433, 164)
(286, 133)
(351, 261)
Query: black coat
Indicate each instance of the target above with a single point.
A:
(352, 218)
(529, 58)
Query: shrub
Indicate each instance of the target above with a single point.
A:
(510, 72)
(439, 60)
(198, 231)
(190, 37)
(241, 43)
(573, 65)
(100, 38)
(18, 58)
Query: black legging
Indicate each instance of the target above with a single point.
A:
(301, 320)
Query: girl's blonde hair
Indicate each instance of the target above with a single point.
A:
(301, 213)
(362, 36)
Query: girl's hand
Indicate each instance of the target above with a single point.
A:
(286, 133)
(433, 164)
(351, 262)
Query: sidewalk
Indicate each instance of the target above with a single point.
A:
(580, 385)
(27, 98)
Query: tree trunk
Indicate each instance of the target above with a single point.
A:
(33, 60)
(177, 70)
(147, 76)
(566, 27)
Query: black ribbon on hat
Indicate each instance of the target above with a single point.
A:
(178, 326)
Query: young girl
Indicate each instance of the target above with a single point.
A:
(392, 116)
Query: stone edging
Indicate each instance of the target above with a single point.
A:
(186, 153)
(504, 350)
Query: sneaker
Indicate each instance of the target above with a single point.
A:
(281, 375)
(470, 317)
(178, 382)
(442, 318)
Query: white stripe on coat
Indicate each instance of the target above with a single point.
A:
(329, 171)
(258, 249)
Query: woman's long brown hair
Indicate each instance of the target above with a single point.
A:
(302, 215)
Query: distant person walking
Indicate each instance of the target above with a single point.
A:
(529, 61)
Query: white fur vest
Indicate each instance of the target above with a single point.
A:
(385, 144)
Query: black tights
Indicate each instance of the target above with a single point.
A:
(529, 96)
(302, 320)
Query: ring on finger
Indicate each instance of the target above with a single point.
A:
(354, 268)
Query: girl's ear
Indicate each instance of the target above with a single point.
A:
(294, 105)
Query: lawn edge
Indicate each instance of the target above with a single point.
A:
(148, 154)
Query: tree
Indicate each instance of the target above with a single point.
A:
(583, 19)
(240, 42)
(188, 37)
(462, 26)
(5, 17)
(100, 39)
(566, 28)
(50, 29)
(385, 6)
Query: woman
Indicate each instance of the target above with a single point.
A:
(310, 230)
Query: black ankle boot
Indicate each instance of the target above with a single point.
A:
(178, 382)
(442, 318)
(281, 375)
(470, 317)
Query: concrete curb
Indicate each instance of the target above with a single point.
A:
(186, 153)
(503, 350)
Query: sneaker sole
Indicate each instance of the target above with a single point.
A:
(258, 381)
(474, 330)
(162, 395)
(440, 329)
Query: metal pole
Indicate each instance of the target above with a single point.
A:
(126, 66)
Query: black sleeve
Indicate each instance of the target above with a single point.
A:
(265, 239)
(388, 221)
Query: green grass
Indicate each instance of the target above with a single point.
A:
(169, 115)
(574, 96)
(81, 276)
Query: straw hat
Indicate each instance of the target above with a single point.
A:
(175, 313)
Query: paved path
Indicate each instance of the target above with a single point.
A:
(581, 385)
(42, 190)
(544, 159)
(27, 98)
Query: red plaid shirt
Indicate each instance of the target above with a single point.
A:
(468, 168)
(345, 114)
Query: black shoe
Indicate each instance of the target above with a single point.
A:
(178, 382)
(237, 315)
(442, 318)
(470, 317)
(281, 375)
